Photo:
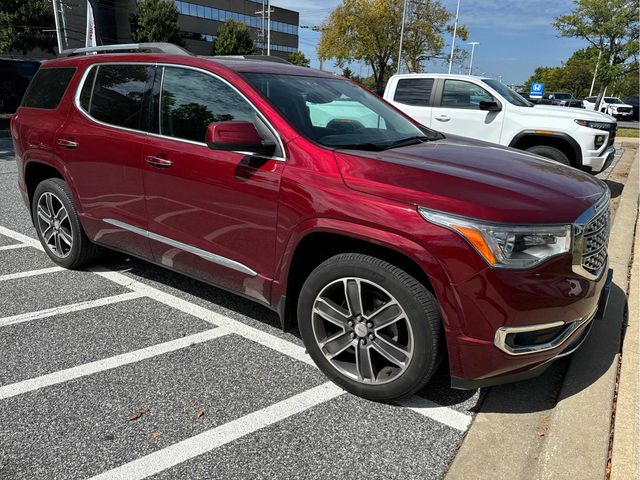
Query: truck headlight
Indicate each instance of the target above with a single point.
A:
(507, 246)
(590, 124)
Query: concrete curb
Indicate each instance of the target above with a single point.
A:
(625, 461)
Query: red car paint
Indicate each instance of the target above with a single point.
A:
(258, 212)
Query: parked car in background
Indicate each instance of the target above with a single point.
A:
(560, 99)
(633, 101)
(15, 75)
(390, 245)
(611, 106)
(485, 109)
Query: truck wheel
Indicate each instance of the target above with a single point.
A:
(370, 326)
(58, 226)
(549, 152)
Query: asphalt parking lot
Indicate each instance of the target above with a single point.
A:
(131, 371)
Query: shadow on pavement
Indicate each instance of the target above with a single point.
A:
(615, 187)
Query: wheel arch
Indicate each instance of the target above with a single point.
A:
(35, 172)
(563, 142)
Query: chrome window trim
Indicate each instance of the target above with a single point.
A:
(269, 125)
(211, 257)
(500, 339)
(578, 237)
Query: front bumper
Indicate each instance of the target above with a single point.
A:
(564, 344)
(598, 162)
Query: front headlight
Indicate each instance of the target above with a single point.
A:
(507, 246)
(590, 124)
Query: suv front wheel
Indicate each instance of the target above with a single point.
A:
(370, 326)
(550, 153)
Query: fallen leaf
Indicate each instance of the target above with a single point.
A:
(541, 432)
(199, 413)
(155, 435)
(139, 414)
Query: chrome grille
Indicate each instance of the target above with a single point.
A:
(594, 237)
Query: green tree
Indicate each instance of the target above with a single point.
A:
(233, 39)
(156, 21)
(22, 25)
(369, 31)
(298, 58)
(612, 27)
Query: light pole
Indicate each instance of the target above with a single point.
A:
(404, 14)
(473, 47)
(269, 27)
(57, 21)
(455, 30)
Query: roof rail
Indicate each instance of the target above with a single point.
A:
(262, 58)
(168, 48)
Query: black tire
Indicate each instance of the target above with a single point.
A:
(422, 314)
(82, 251)
(550, 153)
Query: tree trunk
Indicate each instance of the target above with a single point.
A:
(603, 88)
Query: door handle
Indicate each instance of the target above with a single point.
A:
(443, 118)
(159, 162)
(66, 143)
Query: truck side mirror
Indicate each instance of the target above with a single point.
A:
(490, 106)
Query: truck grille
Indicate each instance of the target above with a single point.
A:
(595, 239)
(624, 109)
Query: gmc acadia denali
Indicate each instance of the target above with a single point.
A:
(391, 246)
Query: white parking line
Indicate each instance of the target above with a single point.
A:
(13, 247)
(30, 273)
(283, 346)
(61, 376)
(445, 415)
(204, 442)
(448, 416)
(74, 307)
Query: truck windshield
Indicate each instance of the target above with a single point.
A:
(338, 114)
(508, 94)
(612, 100)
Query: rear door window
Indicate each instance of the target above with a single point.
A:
(118, 94)
(414, 91)
(47, 88)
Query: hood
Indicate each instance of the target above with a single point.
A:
(572, 113)
(472, 178)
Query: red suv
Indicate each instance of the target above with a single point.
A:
(390, 245)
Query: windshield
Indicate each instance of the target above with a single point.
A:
(508, 94)
(563, 96)
(612, 100)
(338, 114)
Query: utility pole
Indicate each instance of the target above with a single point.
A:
(404, 14)
(455, 30)
(268, 27)
(57, 20)
(473, 47)
(595, 73)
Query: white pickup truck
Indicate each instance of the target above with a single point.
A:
(486, 109)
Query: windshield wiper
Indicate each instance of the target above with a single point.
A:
(374, 147)
(407, 141)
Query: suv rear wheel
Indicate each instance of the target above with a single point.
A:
(370, 326)
(58, 225)
(549, 152)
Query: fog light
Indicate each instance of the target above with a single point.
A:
(599, 140)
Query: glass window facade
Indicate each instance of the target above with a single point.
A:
(209, 13)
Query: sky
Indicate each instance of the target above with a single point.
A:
(515, 36)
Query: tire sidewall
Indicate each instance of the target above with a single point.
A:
(54, 187)
(425, 346)
(550, 153)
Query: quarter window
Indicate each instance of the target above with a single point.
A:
(414, 91)
(191, 100)
(118, 94)
(461, 94)
(47, 88)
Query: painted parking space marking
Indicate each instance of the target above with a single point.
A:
(13, 247)
(30, 273)
(209, 440)
(448, 416)
(73, 307)
(91, 368)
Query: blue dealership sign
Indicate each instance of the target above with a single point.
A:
(537, 89)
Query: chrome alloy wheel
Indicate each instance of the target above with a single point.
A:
(362, 330)
(54, 225)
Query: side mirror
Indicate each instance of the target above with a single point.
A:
(490, 106)
(236, 136)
